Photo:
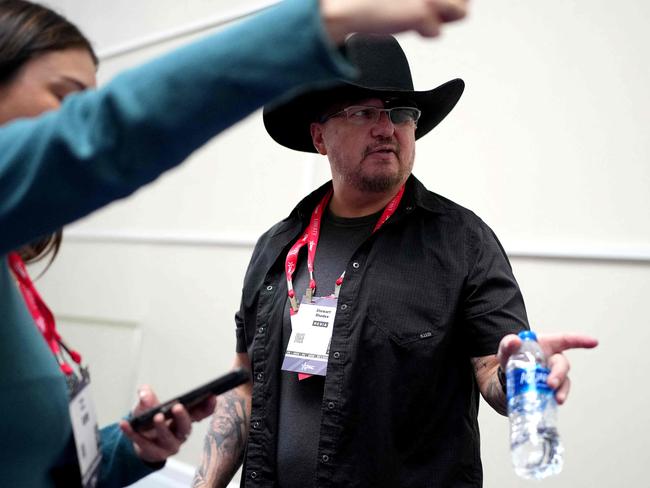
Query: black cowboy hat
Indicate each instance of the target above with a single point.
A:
(383, 73)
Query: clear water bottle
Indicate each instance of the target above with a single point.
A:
(534, 441)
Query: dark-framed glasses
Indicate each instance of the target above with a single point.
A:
(365, 115)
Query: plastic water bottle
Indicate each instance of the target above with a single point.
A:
(534, 441)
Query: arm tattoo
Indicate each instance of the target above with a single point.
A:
(224, 442)
(498, 398)
(480, 364)
(485, 369)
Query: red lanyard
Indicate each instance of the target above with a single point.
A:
(41, 314)
(311, 236)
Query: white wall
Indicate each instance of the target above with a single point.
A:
(549, 145)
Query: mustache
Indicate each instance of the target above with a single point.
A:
(383, 145)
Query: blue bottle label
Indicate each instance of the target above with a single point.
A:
(522, 380)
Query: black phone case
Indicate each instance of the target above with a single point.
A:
(230, 380)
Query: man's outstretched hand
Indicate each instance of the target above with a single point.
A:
(553, 346)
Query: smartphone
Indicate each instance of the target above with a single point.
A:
(192, 398)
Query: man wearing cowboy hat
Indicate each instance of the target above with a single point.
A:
(372, 315)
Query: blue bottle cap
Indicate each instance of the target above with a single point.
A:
(527, 335)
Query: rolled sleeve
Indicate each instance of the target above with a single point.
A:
(240, 333)
(494, 305)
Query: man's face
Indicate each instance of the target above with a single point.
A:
(372, 157)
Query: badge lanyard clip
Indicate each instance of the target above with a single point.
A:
(311, 236)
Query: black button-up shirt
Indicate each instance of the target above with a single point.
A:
(424, 294)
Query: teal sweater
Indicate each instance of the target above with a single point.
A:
(100, 146)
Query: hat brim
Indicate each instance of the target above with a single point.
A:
(287, 122)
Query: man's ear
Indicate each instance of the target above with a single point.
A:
(316, 131)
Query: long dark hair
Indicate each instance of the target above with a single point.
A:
(28, 30)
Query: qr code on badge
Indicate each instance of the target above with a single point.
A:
(300, 337)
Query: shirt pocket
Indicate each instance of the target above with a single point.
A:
(412, 325)
(412, 302)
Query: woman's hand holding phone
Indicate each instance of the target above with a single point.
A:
(158, 430)
(166, 435)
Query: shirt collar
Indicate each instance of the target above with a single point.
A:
(415, 195)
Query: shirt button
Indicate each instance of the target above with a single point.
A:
(261, 330)
(344, 307)
(253, 474)
(331, 405)
(256, 425)
(355, 265)
(409, 208)
(336, 355)
(269, 288)
(260, 376)
(325, 458)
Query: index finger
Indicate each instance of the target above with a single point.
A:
(554, 343)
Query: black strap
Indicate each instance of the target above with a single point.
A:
(502, 379)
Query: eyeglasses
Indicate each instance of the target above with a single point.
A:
(364, 115)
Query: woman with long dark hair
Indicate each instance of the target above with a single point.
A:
(43, 59)
(33, 35)
(67, 149)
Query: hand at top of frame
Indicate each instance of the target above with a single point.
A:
(342, 17)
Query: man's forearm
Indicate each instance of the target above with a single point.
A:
(485, 370)
(495, 395)
(225, 440)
